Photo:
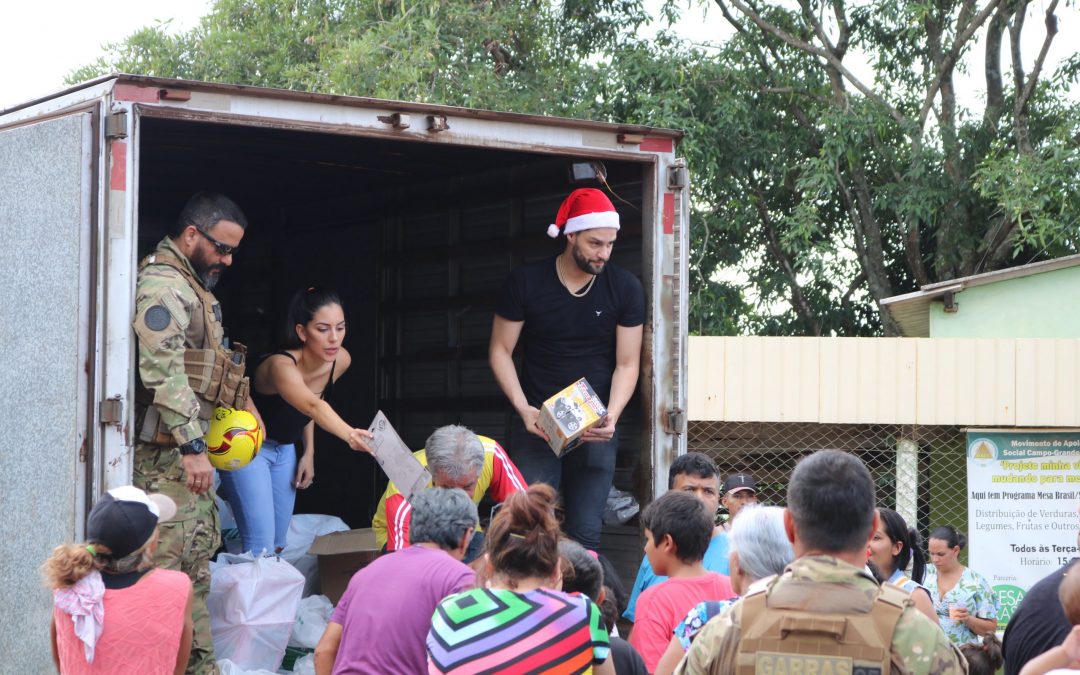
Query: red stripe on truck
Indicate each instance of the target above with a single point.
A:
(669, 213)
(118, 175)
(654, 144)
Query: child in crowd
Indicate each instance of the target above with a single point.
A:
(583, 573)
(1065, 658)
(760, 550)
(677, 533)
(610, 609)
(983, 658)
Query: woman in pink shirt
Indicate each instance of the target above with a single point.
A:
(114, 612)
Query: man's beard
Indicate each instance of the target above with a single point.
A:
(583, 263)
(209, 274)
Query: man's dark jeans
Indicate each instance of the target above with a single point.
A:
(583, 477)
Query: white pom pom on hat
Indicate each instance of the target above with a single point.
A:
(584, 209)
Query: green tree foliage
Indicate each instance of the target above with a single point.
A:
(750, 130)
(522, 55)
(887, 181)
(824, 188)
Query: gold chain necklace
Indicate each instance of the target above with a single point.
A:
(577, 294)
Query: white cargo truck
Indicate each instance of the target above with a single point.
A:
(414, 213)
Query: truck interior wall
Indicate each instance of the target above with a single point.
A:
(416, 237)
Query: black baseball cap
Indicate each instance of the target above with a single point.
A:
(739, 481)
(125, 517)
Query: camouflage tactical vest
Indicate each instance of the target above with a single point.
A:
(804, 627)
(214, 373)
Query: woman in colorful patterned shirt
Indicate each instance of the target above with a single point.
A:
(966, 605)
(521, 621)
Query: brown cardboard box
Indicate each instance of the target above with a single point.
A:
(341, 554)
(567, 415)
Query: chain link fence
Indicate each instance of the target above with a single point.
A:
(920, 471)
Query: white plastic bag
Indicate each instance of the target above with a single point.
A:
(303, 528)
(227, 667)
(305, 665)
(252, 605)
(315, 613)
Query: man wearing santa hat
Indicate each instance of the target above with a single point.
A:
(577, 315)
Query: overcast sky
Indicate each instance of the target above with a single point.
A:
(41, 41)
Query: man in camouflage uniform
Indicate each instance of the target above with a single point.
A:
(826, 613)
(186, 369)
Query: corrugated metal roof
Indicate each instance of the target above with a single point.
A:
(912, 310)
(361, 102)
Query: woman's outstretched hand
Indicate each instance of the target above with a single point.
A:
(359, 440)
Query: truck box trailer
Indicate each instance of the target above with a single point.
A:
(414, 212)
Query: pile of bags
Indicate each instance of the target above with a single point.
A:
(259, 606)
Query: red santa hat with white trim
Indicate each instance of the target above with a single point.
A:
(584, 209)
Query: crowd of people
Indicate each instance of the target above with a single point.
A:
(832, 582)
(535, 600)
(532, 600)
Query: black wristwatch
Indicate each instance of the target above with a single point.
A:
(195, 447)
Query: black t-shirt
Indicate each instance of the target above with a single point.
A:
(1037, 624)
(626, 659)
(564, 337)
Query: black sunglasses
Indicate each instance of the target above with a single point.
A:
(222, 249)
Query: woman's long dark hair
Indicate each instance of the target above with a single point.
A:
(302, 308)
(896, 529)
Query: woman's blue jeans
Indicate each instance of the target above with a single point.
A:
(262, 497)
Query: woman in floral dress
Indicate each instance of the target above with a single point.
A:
(966, 605)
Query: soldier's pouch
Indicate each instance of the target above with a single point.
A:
(234, 387)
(150, 429)
(216, 376)
(203, 368)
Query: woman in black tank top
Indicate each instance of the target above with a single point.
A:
(292, 388)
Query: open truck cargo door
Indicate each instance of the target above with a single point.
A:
(673, 321)
(414, 212)
(417, 226)
(47, 359)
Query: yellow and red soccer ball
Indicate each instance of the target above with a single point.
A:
(233, 440)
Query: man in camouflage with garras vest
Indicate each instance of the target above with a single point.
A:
(186, 369)
(825, 614)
